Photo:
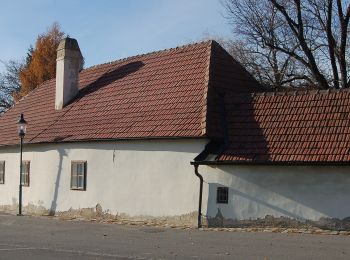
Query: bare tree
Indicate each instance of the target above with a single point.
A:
(305, 40)
(38, 65)
(9, 83)
(270, 67)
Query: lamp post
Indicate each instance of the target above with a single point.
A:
(22, 127)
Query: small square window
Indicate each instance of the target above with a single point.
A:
(222, 195)
(78, 175)
(2, 172)
(25, 173)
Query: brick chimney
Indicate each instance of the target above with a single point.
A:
(68, 65)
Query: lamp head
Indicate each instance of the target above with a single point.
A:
(22, 126)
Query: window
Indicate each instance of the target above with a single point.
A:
(222, 195)
(25, 174)
(78, 175)
(2, 172)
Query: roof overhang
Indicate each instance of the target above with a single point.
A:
(268, 163)
(110, 140)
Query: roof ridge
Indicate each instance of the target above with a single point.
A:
(209, 42)
(204, 112)
(299, 92)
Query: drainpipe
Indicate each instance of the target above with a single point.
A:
(200, 195)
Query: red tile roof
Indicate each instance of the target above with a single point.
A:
(309, 126)
(170, 93)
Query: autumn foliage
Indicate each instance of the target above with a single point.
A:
(41, 61)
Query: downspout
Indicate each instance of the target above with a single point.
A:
(214, 146)
(200, 195)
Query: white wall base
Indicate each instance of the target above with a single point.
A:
(298, 192)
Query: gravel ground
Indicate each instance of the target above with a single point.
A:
(51, 238)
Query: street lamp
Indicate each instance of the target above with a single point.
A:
(22, 127)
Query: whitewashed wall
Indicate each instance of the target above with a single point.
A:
(151, 178)
(155, 178)
(299, 192)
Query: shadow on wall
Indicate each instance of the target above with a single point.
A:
(221, 214)
(61, 154)
(264, 196)
(322, 189)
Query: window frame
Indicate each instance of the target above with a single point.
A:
(77, 187)
(222, 195)
(23, 173)
(2, 171)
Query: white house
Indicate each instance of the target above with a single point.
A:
(138, 137)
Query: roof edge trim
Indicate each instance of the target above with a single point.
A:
(150, 53)
(267, 163)
(111, 140)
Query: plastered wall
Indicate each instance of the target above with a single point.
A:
(152, 178)
(299, 192)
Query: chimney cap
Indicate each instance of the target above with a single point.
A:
(68, 43)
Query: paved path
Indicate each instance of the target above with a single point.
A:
(45, 238)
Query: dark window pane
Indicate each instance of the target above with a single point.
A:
(222, 195)
(2, 172)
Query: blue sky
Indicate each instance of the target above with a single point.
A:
(110, 29)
